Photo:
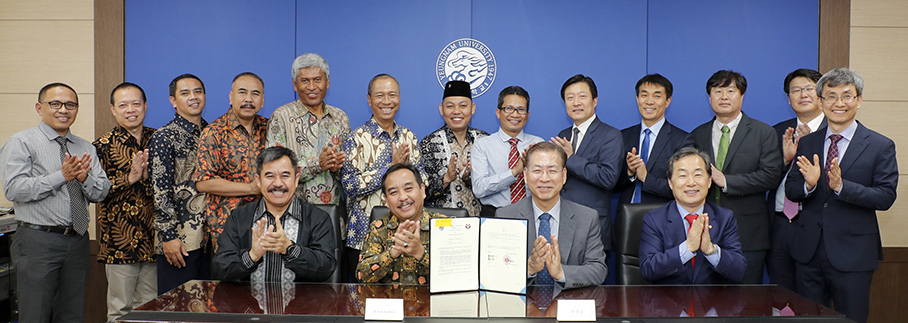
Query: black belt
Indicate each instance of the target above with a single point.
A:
(66, 231)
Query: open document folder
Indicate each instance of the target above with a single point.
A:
(478, 253)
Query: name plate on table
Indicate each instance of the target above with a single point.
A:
(576, 310)
(384, 309)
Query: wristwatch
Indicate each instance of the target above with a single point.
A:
(715, 251)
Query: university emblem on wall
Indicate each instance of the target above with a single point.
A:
(469, 60)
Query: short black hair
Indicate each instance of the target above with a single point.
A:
(46, 88)
(238, 76)
(725, 78)
(655, 79)
(127, 85)
(577, 79)
(397, 167)
(173, 84)
(801, 72)
(684, 152)
(273, 153)
(513, 90)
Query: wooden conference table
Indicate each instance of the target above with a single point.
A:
(214, 301)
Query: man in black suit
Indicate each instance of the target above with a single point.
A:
(593, 152)
(800, 87)
(643, 179)
(844, 173)
(748, 163)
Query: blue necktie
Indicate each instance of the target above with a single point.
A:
(545, 230)
(644, 154)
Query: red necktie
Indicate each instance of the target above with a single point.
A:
(831, 153)
(518, 190)
(690, 219)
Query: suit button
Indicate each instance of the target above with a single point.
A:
(819, 225)
(825, 205)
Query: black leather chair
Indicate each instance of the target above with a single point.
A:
(379, 211)
(628, 227)
(336, 214)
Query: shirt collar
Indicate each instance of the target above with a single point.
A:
(813, 124)
(683, 211)
(51, 133)
(377, 130)
(504, 137)
(304, 110)
(848, 133)
(294, 210)
(583, 126)
(449, 134)
(555, 212)
(717, 126)
(188, 125)
(655, 128)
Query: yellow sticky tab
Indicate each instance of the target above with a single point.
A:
(443, 222)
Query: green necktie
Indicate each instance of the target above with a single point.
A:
(720, 156)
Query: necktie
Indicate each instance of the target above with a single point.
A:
(789, 208)
(690, 220)
(720, 155)
(76, 199)
(575, 138)
(644, 154)
(545, 230)
(518, 190)
(831, 154)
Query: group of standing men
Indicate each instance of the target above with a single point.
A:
(211, 198)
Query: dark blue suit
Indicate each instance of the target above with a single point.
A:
(593, 171)
(842, 230)
(779, 264)
(663, 232)
(655, 189)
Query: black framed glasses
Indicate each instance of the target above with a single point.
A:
(510, 109)
(56, 105)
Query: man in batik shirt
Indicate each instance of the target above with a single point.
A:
(397, 247)
(446, 152)
(126, 216)
(179, 207)
(371, 149)
(227, 151)
(313, 130)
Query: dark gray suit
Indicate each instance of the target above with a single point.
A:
(582, 255)
(753, 165)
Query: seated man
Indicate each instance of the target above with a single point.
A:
(396, 249)
(577, 225)
(667, 254)
(255, 245)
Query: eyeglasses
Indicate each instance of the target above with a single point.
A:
(797, 90)
(510, 109)
(847, 98)
(56, 105)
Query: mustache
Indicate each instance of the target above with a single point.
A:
(248, 105)
(278, 189)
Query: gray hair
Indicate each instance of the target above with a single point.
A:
(308, 60)
(841, 76)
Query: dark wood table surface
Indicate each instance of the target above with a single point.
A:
(213, 301)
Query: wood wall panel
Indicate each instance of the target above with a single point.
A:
(835, 20)
(888, 13)
(879, 54)
(878, 115)
(889, 289)
(41, 52)
(893, 222)
(45, 9)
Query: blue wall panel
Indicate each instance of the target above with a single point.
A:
(763, 40)
(215, 40)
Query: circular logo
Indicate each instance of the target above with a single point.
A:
(469, 60)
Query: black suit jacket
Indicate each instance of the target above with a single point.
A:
(655, 189)
(780, 131)
(753, 165)
(848, 220)
(594, 168)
